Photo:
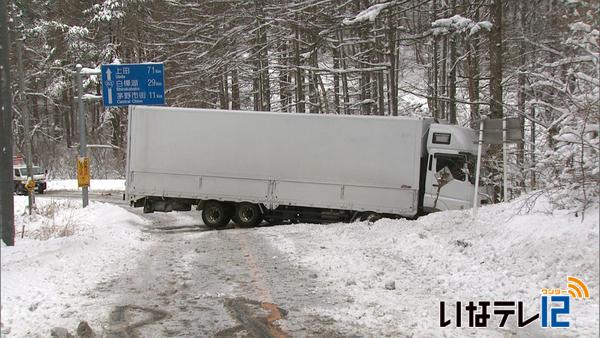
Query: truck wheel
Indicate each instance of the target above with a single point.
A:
(216, 214)
(247, 215)
(20, 189)
(370, 217)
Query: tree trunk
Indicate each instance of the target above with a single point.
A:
(521, 92)
(532, 150)
(452, 75)
(436, 106)
(223, 91)
(444, 77)
(235, 90)
(496, 109)
(336, 79)
(496, 60)
(473, 71)
(313, 91)
(283, 78)
(345, 94)
(300, 106)
(392, 78)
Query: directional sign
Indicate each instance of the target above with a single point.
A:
(133, 84)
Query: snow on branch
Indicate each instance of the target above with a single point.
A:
(369, 14)
(459, 24)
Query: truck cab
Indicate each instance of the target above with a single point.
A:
(450, 168)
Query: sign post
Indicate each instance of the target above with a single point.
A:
(82, 140)
(133, 84)
(476, 194)
(496, 131)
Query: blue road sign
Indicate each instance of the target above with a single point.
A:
(133, 84)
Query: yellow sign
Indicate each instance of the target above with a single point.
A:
(30, 185)
(83, 172)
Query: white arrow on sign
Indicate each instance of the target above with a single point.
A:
(108, 79)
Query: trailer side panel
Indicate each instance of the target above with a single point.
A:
(332, 161)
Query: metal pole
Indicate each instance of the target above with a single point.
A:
(479, 146)
(26, 119)
(504, 158)
(82, 141)
(7, 225)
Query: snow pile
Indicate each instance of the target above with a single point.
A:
(459, 24)
(47, 283)
(449, 257)
(369, 14)
(95, 185)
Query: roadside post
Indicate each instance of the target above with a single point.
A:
(26, 121)
(83, 162)
(478, 167)
(82, 139)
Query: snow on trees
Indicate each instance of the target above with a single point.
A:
(357, 57)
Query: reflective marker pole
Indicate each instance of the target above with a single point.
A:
(82, 141)
(479, 146)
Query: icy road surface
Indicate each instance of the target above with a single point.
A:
(218, 283)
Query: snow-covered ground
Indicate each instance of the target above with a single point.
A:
(506, 254)
(95, 185)
(65, 252)
(331, 275)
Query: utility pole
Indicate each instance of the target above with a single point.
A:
(26, 119)
(82, 140)
(7, 225)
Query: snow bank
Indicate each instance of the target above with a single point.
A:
(95, 185)
(47, 283)
(447, 256)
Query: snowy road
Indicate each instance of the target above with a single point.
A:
(131, 274)
(113, 197)
(195, 282)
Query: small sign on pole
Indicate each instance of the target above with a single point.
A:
(493, 130)
(30, 185)
(83, 172)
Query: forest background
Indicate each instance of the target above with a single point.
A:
(451, 60)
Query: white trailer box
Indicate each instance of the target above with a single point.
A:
(344, 162)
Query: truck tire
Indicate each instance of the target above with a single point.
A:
(216, 214)
(370, 217)
(20, 189)
(247, 215)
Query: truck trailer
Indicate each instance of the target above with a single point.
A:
(249, 166)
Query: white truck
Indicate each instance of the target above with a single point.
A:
(20, 176)
(284, 167)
